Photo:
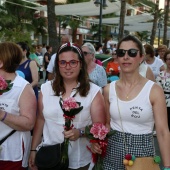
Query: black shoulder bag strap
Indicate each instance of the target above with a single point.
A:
(3, 140)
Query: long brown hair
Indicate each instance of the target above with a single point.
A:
(83, 78)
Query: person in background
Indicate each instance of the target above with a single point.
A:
(35, 58)
(98, 49)
(47, 58)
(71, 80)
(133, 118)
(161, 52)
(112, 67)
(153, 62)
(96, 72)
(50, 68)
(17, 112)
(163, 79)
(29, 68)
(44, 50)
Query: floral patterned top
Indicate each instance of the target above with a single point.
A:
(163, 79)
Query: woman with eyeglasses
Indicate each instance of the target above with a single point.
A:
(163, 79)
(96, 72)
(134, 104)
(71, 80)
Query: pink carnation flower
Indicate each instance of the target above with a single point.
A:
(69, 103)
(99, 131)
(3, 84)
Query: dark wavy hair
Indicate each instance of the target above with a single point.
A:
(83, 78)
(135, 40)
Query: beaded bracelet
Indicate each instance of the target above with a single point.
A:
(166, 168)
(4, 116)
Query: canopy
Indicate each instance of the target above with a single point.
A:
(128, 19)
(86, 8)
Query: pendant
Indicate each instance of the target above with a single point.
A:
(129, 159)
(127, 97)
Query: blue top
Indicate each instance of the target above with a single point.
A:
(24, 67)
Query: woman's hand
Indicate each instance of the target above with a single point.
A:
(32, 161)
(72, 134)
(95, 148)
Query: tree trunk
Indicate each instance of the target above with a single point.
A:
(52, 31)
(166, 22)
(122, 19)
(154, 27)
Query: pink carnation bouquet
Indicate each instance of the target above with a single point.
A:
(70, 108)
(5, 85)
(98, 133)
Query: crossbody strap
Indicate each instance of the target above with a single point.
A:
(3, 140)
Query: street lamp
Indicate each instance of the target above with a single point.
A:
(103, 5)
(159, 28)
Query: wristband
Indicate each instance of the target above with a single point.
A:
(33, 150)
(4, 116)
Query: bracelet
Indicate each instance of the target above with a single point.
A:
(33, 150)
(166, 168)
(4, 116)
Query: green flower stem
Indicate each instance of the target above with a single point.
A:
(99, 163)
(64, 156)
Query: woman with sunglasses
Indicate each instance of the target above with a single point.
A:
(96, 72)
(134, 104)
(71, 79)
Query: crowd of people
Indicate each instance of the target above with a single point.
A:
(134, 103)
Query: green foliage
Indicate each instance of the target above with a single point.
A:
(16, 22)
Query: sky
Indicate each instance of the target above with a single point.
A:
(161, 4)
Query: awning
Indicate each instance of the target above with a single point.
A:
(86, 8)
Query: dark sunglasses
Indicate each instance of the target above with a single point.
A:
(131, 52)
(86, 53)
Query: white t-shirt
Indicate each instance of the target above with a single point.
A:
(79, 156)
(51, 64)
(143, 69)
(155, 66)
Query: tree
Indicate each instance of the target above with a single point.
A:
(154, 27)
(17, 22)
(122, 19)
(166, 16)
(52, 32)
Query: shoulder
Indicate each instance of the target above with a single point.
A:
(99, 68)
(19, 81)
(156, 91)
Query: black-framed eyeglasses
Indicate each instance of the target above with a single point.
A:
(86, 53)
(131, 52)
(71, 63)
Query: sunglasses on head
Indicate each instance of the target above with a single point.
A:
(131, 52)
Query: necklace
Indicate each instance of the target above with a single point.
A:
(131, 89)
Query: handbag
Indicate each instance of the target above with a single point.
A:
(144, 163)
(49, 158)
(140, 163)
